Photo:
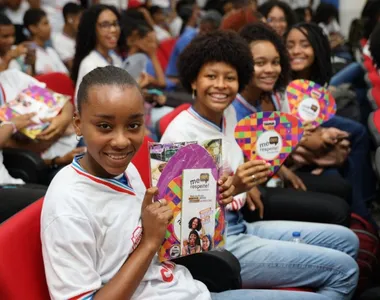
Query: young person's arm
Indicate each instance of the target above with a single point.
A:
(155, 218)
(149, 46)
(12, 54)
(70, 258)
(7, 129)
(58, 124)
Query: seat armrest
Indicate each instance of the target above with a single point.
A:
(219, 270)
(25, 164)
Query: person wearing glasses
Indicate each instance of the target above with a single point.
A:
(97, 38)
(278, 15)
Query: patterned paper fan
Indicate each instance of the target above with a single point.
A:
(269, 136)
(310, 102)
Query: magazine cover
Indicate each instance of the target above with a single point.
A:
(198, 211)
(44, 103)
(169, 163)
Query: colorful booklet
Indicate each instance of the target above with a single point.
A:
(186, 175)
(198, 210)
(310, 102)
(269, 136)
(35, 99)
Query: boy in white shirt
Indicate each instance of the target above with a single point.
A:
(47, 59)
(64, 42)
(20, 57)
(15, 10)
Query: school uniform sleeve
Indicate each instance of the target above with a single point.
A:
(69, 248)
(173, 133)
(14, 64)
(60, 66)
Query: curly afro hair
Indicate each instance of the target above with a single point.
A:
(199, 226)
(262, 32)
(219, 46)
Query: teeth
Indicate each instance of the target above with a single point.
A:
(117, 157)
(219, 96)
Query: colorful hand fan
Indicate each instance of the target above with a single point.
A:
(191, 156)
(169, 185)
(310, 102)
(331, 108)
(269, 136)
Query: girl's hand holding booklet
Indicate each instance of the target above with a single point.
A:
(41, 101)
(186, 175)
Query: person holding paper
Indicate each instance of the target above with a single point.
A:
(310, 59)
(99, 224)
(215, 67)
(57, 143)
(306, 197)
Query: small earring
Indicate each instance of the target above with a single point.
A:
(193, 95)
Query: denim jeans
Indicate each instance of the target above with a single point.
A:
(353, 73)
(358, 169)
(325, 262)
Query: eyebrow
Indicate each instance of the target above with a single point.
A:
(110, 117)
(217, 71)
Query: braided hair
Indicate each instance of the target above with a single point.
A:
(321, 69)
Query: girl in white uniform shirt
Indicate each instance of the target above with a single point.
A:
(100, 230)
(215, 67)
(97, 38)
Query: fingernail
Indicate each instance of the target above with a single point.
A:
(220, 196)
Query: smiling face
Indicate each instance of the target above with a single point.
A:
(194, 224)
(107, 30)
(216, 87)
(112, 124)
(277, 20)
(192, 239)
(266, 65)
(301, 52)
(205, 243)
